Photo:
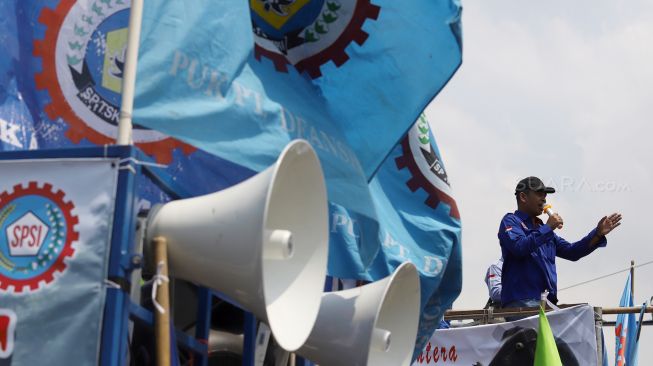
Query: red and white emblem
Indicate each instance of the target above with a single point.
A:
(428, 173)
(83, 57)
(309, 33)
(38, 235)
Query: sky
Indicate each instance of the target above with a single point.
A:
(563, 91)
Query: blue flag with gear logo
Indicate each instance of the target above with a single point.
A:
(350, 77)
(626, 331)
(242, 81)
(374, 65)
(419, 222)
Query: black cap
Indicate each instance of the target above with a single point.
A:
(534, 184)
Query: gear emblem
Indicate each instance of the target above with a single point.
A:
(427, 171)
(83, 54)
(37, 235)
(308, 33)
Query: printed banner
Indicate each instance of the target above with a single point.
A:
(55, 226)
(513, 343)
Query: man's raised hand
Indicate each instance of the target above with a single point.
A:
(608, 223)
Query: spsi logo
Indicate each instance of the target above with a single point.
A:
(308, 33)
(26, 235)
(428, 173)
(37, 235)
(83, 58)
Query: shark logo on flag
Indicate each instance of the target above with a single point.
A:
(421, 159)
(420, 223)
(308, 33)
(8, 322)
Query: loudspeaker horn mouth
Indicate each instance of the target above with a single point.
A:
(262, 242)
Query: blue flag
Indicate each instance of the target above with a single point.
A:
(420, 223)
(626, 331)
(209, 73)
(241, 82)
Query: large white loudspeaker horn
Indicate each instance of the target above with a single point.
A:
(263, 242)
(373, 325)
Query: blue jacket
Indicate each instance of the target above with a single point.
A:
(529, 250)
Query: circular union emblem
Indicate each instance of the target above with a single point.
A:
(83, 57)
(308, 33)
(37, 232)
(427, 171)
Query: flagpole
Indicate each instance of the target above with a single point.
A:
(129, 74)
(632, 279)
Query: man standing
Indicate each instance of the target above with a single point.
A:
(529, 246)
(493, 282)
